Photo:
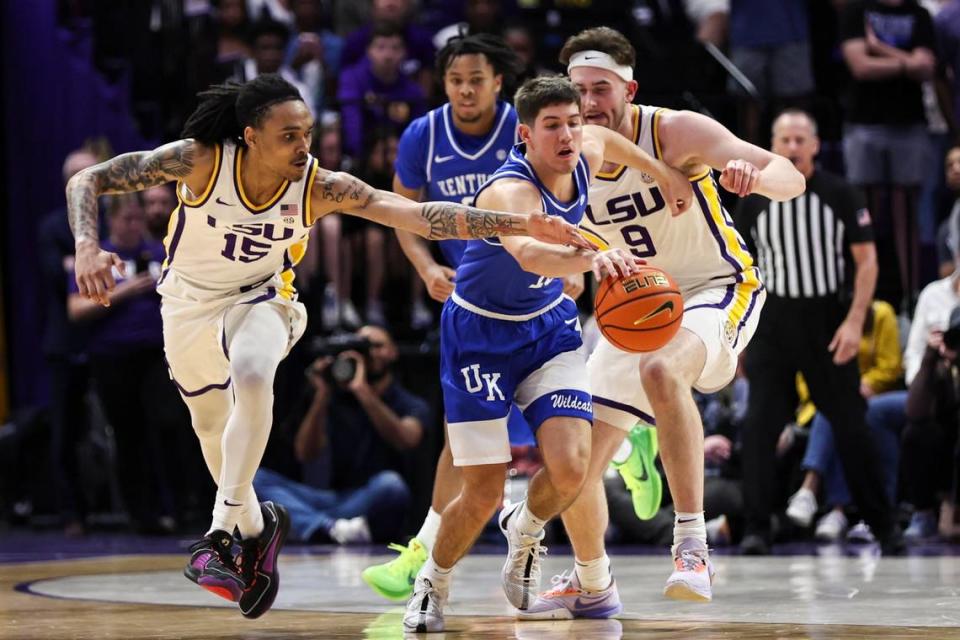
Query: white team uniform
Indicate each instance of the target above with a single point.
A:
(225, 255)
(700, 249)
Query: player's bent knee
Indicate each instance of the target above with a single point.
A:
(659, 378)
(483, 495)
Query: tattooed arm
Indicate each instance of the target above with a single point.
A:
(183, 160)
(433, 220)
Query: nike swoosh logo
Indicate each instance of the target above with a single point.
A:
(590, 57)
(666, 306)
(645, 475)
(230, 504)
(442, 159)
(226, 204)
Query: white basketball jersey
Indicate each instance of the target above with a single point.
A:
(222, 243)
(700, 248)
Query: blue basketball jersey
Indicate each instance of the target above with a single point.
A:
(489, 278)
(450, 165)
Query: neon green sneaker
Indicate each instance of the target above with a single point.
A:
(639, 473)
(394, 580)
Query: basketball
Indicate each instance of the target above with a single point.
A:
(640, 313)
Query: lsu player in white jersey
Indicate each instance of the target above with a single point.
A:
(722, 292)
(248, 190)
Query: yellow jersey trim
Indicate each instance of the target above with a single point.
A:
(202, 199)
(308, 197)
(616, 173)
(243, 197)
(594, 238)
(657, 150)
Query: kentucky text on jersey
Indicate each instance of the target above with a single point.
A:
(450, 165)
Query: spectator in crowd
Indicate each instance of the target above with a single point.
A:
(807, 327)
(276, 10)
(520, 38)
(64, 345)
(233, 24)
(881, 371)
(482, 16)
(770, 44)
(888, 46)
(417, 59)
(127, 365)
(932, 402)
(314, 51)
(158, 203)
(377, 91)
(947, 25)
(946, 233)
(366, 421)
(269, 40)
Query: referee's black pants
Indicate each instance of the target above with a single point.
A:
(793, 335)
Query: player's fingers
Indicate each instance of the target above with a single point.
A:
(82, 288)
(100, 293)
(609, 266)
(833, 343)
(750, 179)
(737, 178)
(119, 264)
(596, 270)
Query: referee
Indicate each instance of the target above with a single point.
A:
(808, 328)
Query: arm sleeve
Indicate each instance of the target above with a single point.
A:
(851, 22)
(410, 165)
(855, 216)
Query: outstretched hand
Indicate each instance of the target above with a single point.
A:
(555, 230)
(94, 272)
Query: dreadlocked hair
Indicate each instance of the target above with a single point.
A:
(501, 57)
(224, 110)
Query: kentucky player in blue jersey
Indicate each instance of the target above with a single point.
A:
(509, 337)
(448, 154)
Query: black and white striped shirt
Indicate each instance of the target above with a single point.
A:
(800, 244)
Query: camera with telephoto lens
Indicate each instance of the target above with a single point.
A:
(951, 337)
(342, 369)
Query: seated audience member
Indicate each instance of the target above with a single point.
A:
(158, 203)
(376, 91)
(947, 233)
(127, 365)
(232, 22)
(361, 416)
(881, 370)
(314, 51)
(933, 410)
(268, 40)
(417, 60)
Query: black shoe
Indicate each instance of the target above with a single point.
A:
(754, 544)
(893, 543)
(211, 566)
(258, 561)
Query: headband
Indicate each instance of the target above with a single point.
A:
(600, 60)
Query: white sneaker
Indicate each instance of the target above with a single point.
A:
(420, 316)
(692, 576)
(425, 608)
(521, 572)
(801, 507)
(831, 526)
(349, 316)
(861, 533)
(351, 531)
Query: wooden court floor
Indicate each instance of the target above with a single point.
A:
(87, 606)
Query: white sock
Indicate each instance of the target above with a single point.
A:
(428, 530)
(626, 448)
(594, 575)
(689, 525)
(527, 523)
(438, 576)
(226, 512)
(251, 517)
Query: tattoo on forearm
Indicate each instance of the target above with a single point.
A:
(124, 174)
(450, 220)
(339, 186)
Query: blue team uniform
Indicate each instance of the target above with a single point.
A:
(509, 337)
(450, 166)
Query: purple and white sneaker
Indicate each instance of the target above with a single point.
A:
(258, 561)
(692, 576)
(211, 566)
(567, 600)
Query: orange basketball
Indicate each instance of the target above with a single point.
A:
(640, 313)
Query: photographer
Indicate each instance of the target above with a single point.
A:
(365, 420)
(930, 439)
